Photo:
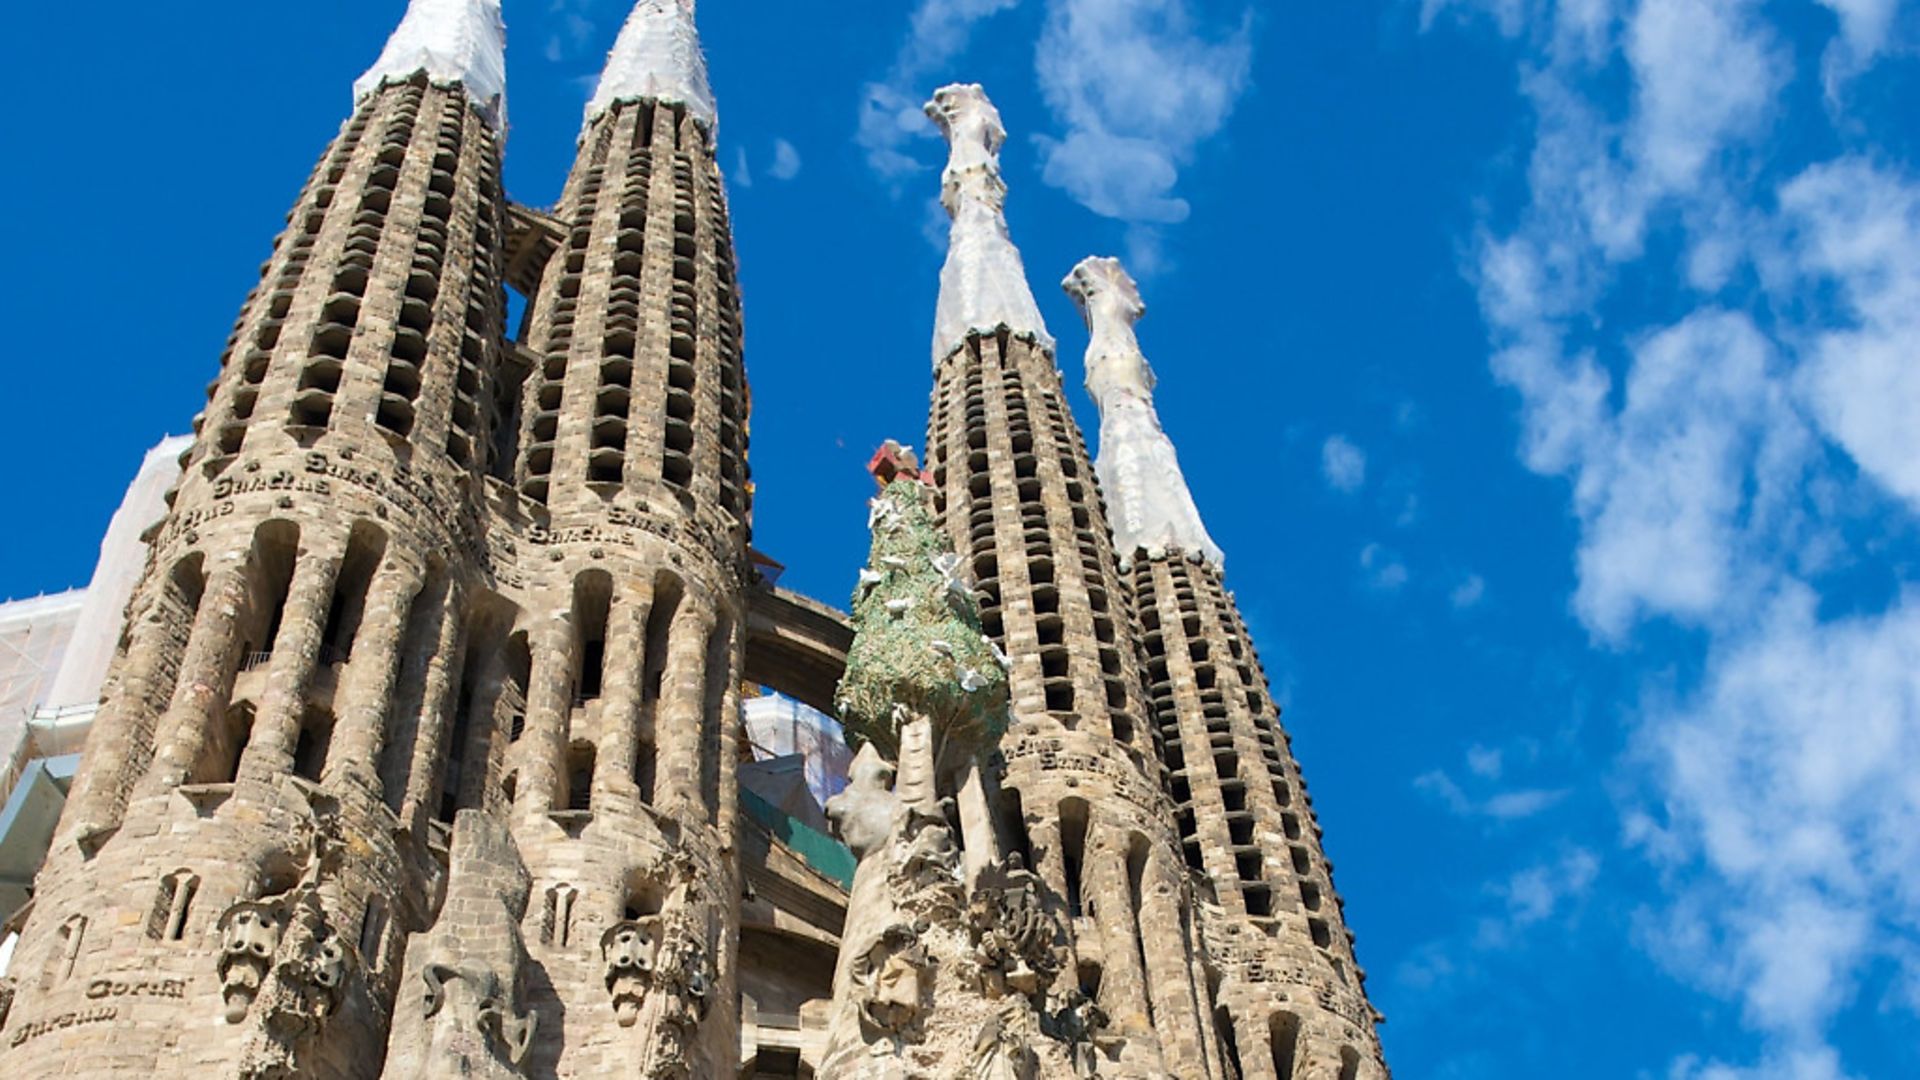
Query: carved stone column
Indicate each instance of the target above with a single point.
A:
(1043, 836)
(683, 704)
(367, 685)
(207, 670)
(549, 699)
(621, 691)
(129, 714)
(1168, 945)
(295, 663)
(1123, 991)
(438, 700)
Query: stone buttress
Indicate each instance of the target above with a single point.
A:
(1287, 998)
(1015, 489)
(256, 823)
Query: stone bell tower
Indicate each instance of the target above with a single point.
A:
(1287, 996)
(1015, 490)
(631, 471)
(253, 827)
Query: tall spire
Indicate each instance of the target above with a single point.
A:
(657, 56)
(1138, 469)
(983, 285)
(453, 41)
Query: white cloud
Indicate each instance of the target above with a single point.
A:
(1705, 72)
(742, 175)
(786, 161)
(1502, 806)
(1857, 227)
(1471, 590)
(1704, 448)
(1705, 454)
(1790, 775)
(1537, 895)
(890, 110)
(1866, 30)
(1343, 464)
(570, 29)
(1382, 568)
(1486, 761)
(1137, 86)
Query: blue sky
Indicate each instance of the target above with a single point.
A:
(1546, 369)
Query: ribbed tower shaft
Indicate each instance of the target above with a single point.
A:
(632, 470)
(285, 692)
(1287, 999)
(1016, 490)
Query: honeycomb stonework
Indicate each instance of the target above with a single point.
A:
(421, 752)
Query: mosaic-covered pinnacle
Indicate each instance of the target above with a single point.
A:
(657, 56)
(452, 41)
(983, 286)
(918, 651)
(1151, 507)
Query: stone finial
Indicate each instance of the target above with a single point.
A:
(1152, 508)
(460, 42)
(983, 286)
(657, 56)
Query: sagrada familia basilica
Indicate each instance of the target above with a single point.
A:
(421, 752)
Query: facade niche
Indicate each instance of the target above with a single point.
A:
(1073, 845)
(171, 905)
(1284, 1036)
(592, 596)
(316, 739)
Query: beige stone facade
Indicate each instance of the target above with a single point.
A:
(419, 753)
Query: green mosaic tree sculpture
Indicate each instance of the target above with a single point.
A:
(918, 649)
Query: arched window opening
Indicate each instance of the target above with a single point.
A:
(1229, 1043)
(1073, 843)
(365, 548)
(592, 596)
(580, 764)
(316, 739)
(713, 721)
(666, 604)
(1349, 1063)
(1283, 1033)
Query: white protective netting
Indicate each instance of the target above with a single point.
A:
(453, 41)
(983, 286)
(657, 56)
(1148, 502)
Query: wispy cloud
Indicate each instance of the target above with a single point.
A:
(1468, 594)
(786, 161)
(570, 26)
(1501, 806)
(1719, 459)
(1343, 464)
(1381, 569)
(1135, 87)
(890, 116)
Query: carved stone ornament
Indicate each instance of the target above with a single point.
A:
(496, 1018)
(1015, 940)
(892, 984)
(629, 949)
(250, 933)
(999, 1054)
